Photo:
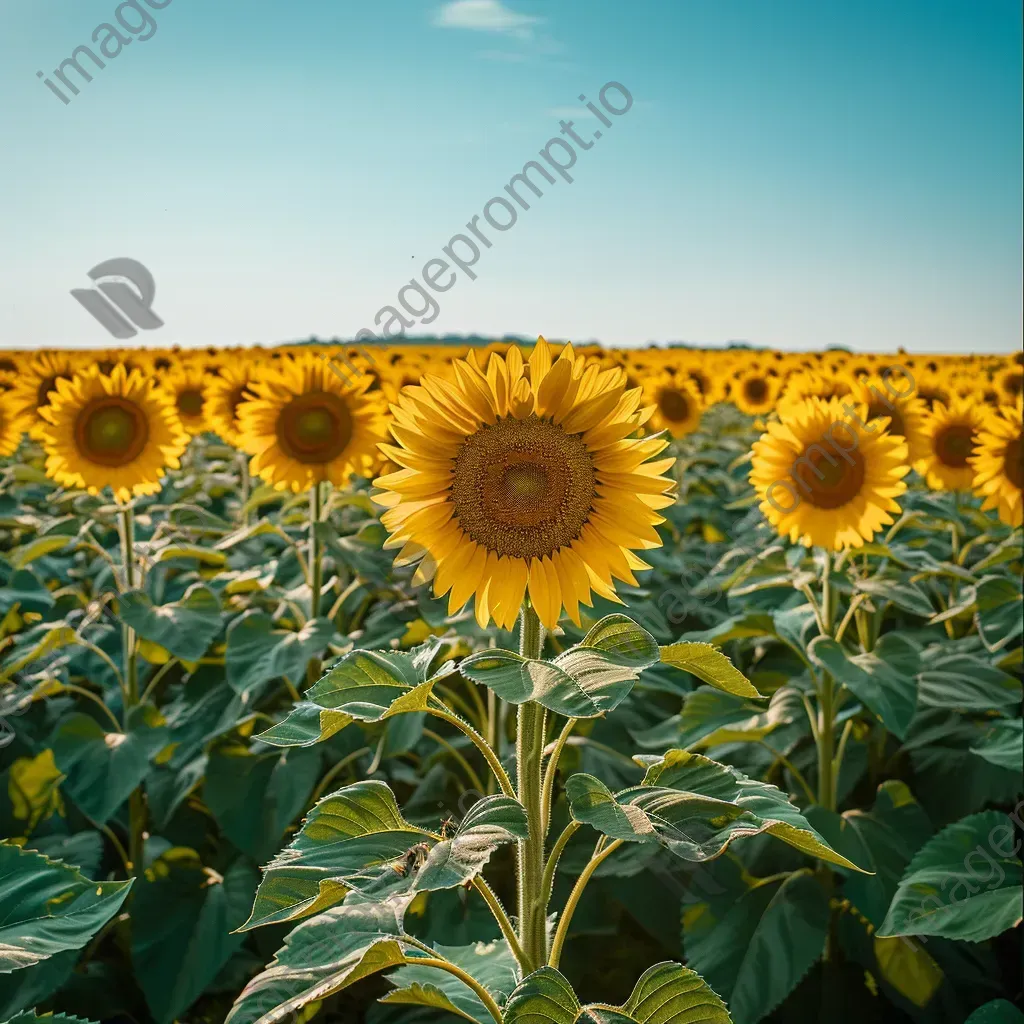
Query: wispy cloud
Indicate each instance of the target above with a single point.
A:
(486, 16)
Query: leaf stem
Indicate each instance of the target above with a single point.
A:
(446, 965)
(504, 922)
(552, 864)
(474, 780)
(551, 771)
(479, 742)
(574, 898)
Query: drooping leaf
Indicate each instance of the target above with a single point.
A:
(695, 807)
(587, 680)
(183, 918)
(1002, 743)
(964, 883)
(322, 956)
(666, 993)
(356, 838)
(999, 614)
(710, 665)
(884, 679)
(964, 682)
(906, 965)
(185, 628)
(490, 963)
(757, 953)
(47, 907)
(102, 767)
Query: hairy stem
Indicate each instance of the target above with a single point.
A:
(529, 752)
(479, 742)
(507, 928)
(130, 675)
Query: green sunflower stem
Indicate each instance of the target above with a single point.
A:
(529, 750)
(136, 803)
(316, 567)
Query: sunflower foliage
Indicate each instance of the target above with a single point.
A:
(449, 745)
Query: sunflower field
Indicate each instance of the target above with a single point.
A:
(508, 682)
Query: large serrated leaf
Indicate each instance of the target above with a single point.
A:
(710, 665)
(666, 993)
(964, 883)
(257, 652)
(757, 953)
(47, 907)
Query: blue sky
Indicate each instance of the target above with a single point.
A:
(795, 173)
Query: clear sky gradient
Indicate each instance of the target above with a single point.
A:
(793, 173)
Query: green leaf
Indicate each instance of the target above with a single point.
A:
(1002, 743)
(26, 591)
(710, 665)
(964, 682)
(50, 1018)
(256, 652)
(39, 548)
(587, 680)
(757, 953)
(305, 725)
(999, 1011)
(255, 797)
(356, 838)
(374, 685)
(999, 615)
(47, 907)
(103, 768)
(183, 917)
(490, 963)
(322, 956)
(908, 596)
(666, 993)
(884, 679)
(962, 884)
(185, 628)
(680, 781)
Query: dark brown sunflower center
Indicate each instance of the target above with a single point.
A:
(755, 389)
(673, 404)
(829, 480)
(235, 399)
(1013, 383)
(190, 402)
(954, 444)
(1013, 463)
(111, 431)
(897, 426)
(523, 488)
(314, 428)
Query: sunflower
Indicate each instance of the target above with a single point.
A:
(998, 463)
(115, 430)
(224, 394)
(1009, 384)
(895, 400)
(36, 381)
(678, 404)
(524, 478)
(754, 392)
(187, 385)
(305, 424)
(823, 480)
(12, 424)
(951, 436)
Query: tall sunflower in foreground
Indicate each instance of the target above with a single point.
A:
(111, 430)
(524, 478)
(998, 463)
(306, 425)
(825, 481)
(952, 433)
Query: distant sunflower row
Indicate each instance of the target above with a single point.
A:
(309, 413)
